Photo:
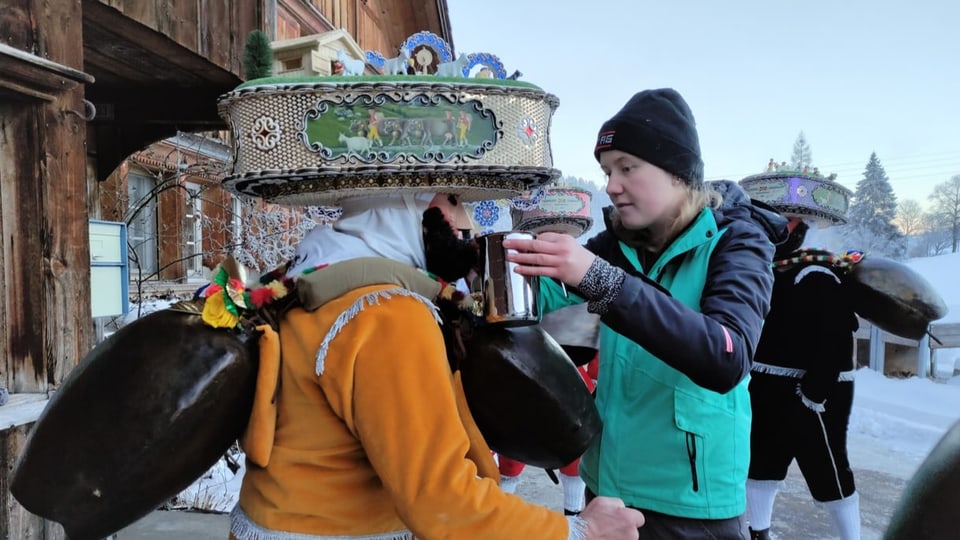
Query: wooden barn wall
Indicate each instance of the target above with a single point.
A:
(376, 25)
(215, 29)
(45, 248)
(15, 521)
(24, 366)
(44, 252)
(379, 25)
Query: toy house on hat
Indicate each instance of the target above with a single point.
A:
(313, 55)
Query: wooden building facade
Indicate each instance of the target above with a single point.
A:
(86, 89)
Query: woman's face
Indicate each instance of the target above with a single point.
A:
(645, 195)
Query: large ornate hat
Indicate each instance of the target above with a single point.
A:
(317, 140)
(795, 193)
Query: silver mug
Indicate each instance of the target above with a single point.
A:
(509, 299)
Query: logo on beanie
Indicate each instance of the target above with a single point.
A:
(605, 140)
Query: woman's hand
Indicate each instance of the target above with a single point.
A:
(608, 519)
(554, 255)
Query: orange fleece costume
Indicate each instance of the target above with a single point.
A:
(372, 438)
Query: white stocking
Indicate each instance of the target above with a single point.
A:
(760, 497)
(846, 514)
(573, 492)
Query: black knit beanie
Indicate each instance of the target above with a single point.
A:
(658, 127)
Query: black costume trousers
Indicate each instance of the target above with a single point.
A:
(785, 429)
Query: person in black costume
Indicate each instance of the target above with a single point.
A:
(802, 387)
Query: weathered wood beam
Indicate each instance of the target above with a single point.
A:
(34, 77)
(111, 38)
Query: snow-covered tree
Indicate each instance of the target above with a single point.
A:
(935, 240)
(909, 217)
(268, 234)
(946, 209)
(872, 214)
(802, 156)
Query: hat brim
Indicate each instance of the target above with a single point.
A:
(318, 187)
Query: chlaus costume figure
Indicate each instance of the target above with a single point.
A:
(365, 432)
(360, 427)
(803, 371)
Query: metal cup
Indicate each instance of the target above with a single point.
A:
(509, 299)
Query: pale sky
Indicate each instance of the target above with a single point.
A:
(854, 76)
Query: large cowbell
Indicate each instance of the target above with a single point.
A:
(143, 415)
(895, 297)
(527, 397)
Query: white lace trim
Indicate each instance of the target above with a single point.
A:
(372, 299)
(810, 404)
(578, 528)
(244, 528)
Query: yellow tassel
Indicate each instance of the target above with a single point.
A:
(215, 313)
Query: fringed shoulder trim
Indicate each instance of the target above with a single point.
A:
(796, 373)
(243, 528)
(770, 369)
(367, 300)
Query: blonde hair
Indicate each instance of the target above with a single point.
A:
(703, 195)
(699, 196)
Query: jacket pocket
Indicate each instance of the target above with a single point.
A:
(702, 418)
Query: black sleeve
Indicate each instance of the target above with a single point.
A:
(713, 347)
(825, 324)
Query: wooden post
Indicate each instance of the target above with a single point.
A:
(877, 349)
(924, 367)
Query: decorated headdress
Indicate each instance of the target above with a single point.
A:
(318, 140)
(557, 208)
(809, 196)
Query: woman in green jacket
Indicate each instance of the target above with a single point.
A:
(681, 278)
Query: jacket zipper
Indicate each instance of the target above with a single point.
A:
(692, 455)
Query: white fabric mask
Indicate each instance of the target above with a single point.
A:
(387, 226)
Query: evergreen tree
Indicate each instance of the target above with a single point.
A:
(802, 156)
(257, 56)
(872, 214)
